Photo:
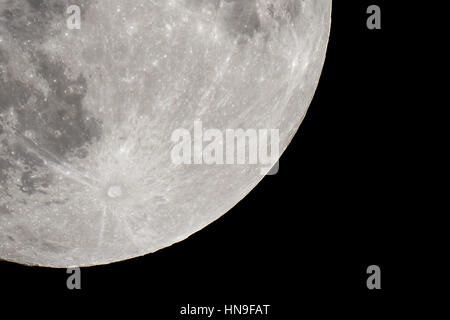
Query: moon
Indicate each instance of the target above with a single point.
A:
(87, 115)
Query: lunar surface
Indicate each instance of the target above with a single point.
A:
(87, 115)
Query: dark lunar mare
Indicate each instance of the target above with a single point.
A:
(58, 123)
(242, 20)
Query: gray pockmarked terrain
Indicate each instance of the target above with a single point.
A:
(86, 116)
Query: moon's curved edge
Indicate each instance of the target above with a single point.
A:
(322, 60)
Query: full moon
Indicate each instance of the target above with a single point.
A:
(90, 100)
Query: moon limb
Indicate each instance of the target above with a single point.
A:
(90, 180)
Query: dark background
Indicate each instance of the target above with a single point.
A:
(302, 240)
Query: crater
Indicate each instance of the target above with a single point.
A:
(115, 191)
